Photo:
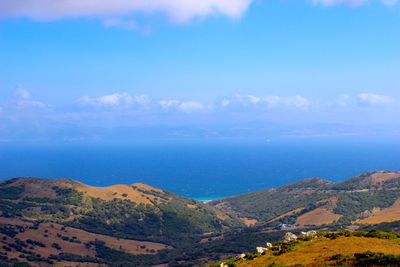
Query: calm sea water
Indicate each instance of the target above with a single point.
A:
(202, 170)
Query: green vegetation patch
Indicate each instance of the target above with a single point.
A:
(11, 192)
(371, 233)
(74, 258)
(351, 205)
(68, 196)
(376, 259)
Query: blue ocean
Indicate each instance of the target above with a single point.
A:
(200, 169)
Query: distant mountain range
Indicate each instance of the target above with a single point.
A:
(66, 223)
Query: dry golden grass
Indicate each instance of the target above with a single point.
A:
(43, 189)
(48, 233)
(352, 228)
(319, 216)
(380, 177)
(313, 252)
(286, 214)
(249, 222)
(386, 215)
(121, 192)
(129, 246)
(14, 221)
(220, 215)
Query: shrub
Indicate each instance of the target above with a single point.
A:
(379, 259)
(56, 246)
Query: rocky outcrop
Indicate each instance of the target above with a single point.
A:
(289, 237)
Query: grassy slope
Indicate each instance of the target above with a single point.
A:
(330, 250)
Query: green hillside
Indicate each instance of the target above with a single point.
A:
(314, 201)
(133, 212)
(64, 222)
(166, 218)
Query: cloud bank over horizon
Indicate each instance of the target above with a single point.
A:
(237, 102)
(237, 116)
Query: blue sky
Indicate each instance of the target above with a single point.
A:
(135, 69)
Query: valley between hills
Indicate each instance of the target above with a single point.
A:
(63, 222)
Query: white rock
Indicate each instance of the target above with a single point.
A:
(311, 234)
(268, 245)
(289, 237)
(241, 256)
(261, 250)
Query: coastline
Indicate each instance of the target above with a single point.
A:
(208, 199)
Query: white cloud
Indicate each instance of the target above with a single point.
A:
(374, 99)
(22, 93)
(167, 104)
(191, 106)
(183, 106)
(24, 100)
(30, 104)
(124, 100)
(244, 100)
(225, 102)
(353, 103)
(177, 10)
(251, 98)
(266, 102)
(289, 102)
(350, 2)
(115, 100)
(343, 100)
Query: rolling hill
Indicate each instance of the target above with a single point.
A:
(95, 225)
(369, 198)
(63, 222)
